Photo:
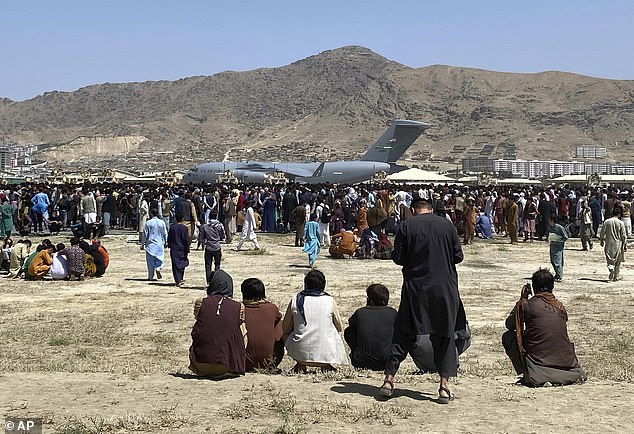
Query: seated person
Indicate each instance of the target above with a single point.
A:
(19, 254)
(312, 325)
(370, 329)
(219, 335)
(484, 228)
(6, 255)
(54, 223)
(367, 245)
(264, 327)
(75, 257)
(537, 338)
(104, 253)
(41, 263)
(94, 256)
(384, 249)
(29, 259)
(342, 244)
(78, 229)
(59, 267)
(96, 230)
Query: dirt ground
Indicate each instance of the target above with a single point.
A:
(110, 354)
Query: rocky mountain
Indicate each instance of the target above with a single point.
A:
(331, 105)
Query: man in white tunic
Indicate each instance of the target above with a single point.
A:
(248, 228)
(312, 326)
(614, 241)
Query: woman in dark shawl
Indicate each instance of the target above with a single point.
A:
(219, 334)
(268, 218)
(178, 242)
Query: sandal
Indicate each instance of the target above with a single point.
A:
(444, 399)
(385, 391)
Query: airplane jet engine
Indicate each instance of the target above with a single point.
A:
(250, 176)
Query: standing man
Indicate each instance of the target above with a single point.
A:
(512, 219)
(298, 215)
(428, 248)
(229, 208)
(469, 217)
(597, 218)
(211, 235)
(108, 208)
(248, 228)
(585, 218)
(557, 236)
(40, 204)
(88, 208)
(144, 210)
(154, 240)
(179, 242)
(614, 241)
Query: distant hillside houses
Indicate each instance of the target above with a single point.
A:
(543, 168)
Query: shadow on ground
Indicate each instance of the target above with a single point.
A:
(373, 391)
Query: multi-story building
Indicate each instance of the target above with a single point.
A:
(8, 157)
(610, 168)
(477, 164)
(588, 151)
(538, 169)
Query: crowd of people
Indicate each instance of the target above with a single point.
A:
(430, 225)
(48, 261)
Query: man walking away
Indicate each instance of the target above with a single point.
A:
(614, 241)
(179, 242)
(155, 240)
(211, 235)
(428, 248)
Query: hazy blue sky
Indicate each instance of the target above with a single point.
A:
(64, 45)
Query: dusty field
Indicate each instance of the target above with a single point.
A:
(110, 354)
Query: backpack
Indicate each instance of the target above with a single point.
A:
(325, 214)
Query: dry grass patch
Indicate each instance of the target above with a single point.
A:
(160, 419)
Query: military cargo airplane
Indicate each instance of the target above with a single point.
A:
(381, 157)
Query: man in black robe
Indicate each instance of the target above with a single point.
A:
(428, 248)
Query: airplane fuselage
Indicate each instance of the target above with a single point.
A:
(392, 144)
(336, 172)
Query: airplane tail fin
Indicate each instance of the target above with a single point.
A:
(395, 141)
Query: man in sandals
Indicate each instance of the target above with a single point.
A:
(428, 248)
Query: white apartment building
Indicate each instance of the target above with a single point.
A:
(588, 151)
(539, 169)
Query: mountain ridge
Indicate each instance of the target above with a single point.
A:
(335, 103)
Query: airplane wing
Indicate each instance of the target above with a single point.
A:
(295, 171)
